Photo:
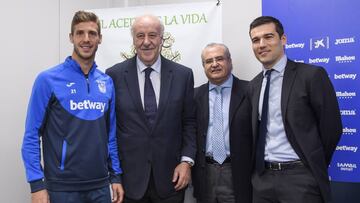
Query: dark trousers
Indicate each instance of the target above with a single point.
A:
(219, 185)
(101, 195)
(151, 195)
(295, 185)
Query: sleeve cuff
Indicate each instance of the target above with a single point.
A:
(115, 178)
(188, 160)
(37, 185)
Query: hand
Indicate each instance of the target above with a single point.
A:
(40, 197)
(118, 193)
(182, 174)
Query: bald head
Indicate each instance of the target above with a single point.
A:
(147, 19)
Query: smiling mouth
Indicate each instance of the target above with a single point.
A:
(215, 70)
(262, 53)
(87, 47)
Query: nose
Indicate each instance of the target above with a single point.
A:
(262, 42)
(214, 63)
(86, 37)
(146, 40)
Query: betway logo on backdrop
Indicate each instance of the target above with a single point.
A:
(349, 131)
(295, 46)
(345, 95)
(344, 59)
(319, 60)
(348, 40)
(344, 76)
(346, 148)
(346, 166)
(87, 104)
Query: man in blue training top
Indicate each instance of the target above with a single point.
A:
(72, 110)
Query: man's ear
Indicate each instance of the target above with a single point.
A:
(71, 38)
(100, 37)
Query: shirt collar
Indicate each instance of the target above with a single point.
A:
(279, 66)
(156, 66)
(227, 84)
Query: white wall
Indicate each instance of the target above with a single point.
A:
(34, 36)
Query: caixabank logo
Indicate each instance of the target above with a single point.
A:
(344, 166)
(319, 43)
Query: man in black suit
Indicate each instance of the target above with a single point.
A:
(155, 119)
(222, 172)
(296, 122)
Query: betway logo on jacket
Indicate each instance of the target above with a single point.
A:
(87, 104)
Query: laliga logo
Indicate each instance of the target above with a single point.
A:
(318, 43)
(346, 166)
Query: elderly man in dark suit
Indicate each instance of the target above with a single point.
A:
(296, 122)
(155, 119)
(222, 172)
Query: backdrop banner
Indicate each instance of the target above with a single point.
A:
(326, 33)
(188, 29)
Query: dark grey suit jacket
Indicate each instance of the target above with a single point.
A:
(240, 140)
(311, 117)
(143, 149)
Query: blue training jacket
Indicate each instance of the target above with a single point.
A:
(74, 116)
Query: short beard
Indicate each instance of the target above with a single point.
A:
(77, 52)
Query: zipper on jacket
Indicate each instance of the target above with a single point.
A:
(87, 82)
(63, 154)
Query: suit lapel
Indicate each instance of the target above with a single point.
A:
(288, 81)
(132, 82)
(165, 86)
(204, 97)
(236, 96)
(255, 104)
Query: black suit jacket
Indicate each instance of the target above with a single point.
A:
(310, 115)
(143, 149)
(240, 140)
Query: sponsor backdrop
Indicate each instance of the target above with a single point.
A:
(326, 33)
(188, 29)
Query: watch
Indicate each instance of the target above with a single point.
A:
(190, 163)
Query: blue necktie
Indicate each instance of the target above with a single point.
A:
(218, 142)
(260, 148)
(149, 98)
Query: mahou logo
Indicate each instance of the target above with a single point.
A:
(349, 131)
(345, 59)
(345, 95)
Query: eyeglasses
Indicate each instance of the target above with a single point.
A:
(217, 59)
